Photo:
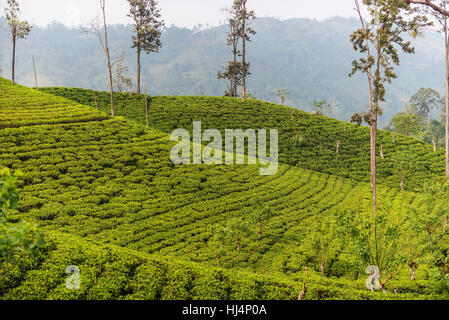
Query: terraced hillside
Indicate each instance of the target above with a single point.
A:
(110, 201)
(306, 140)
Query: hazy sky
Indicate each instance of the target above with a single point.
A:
(185, 13)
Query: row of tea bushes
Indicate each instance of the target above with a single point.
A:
(306, 140)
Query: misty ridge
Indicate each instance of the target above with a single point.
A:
(310, 58)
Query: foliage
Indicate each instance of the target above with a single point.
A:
(315, 151)
(110, 272)
(19, 28)
(17, 239)
(375, 239)
(404, 162)
(430, 224)
(380, 39)
(261, 216)
(408, 124)
(283, 94)
(147, 25)
(325, 242)
(233, 71)
(424, 102)
(322, 108)
(357, 118)
(415, 120)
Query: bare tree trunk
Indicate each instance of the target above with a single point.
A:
(235, 70)
(146, 109)
(138, 69)
(35, 74)
(338, 147)
(374, 116)
(373, 105)
(373, 161)
(446, 42)
(13, 58)
(382, 151)
(322, 266)
(302, 294)
(434, 144)
(402, 184)
(382, 284)
(96, 102)
(413, 267)
(244, 51)
(111, 85)
(218, 260)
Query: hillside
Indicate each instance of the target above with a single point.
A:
(312, 59)
(305, 140)
(110, 200)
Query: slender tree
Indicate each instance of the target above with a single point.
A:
(244, 16)
(431, 4)
(441, 13)
(379, 40)
(233, 71)
(261, 216)
(147, 111)
(147, 29)
(19, 29)
(283, 94)
(121, 79)
(95, 28)
(35, 73)
(108, 56)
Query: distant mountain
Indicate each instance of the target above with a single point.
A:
(310, 58)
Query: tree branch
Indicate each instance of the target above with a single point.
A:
(429, 4)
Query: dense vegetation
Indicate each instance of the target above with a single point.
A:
(306, 140)
(110, 201)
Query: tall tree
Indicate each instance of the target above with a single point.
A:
(19, 29)
(378, 40)
(424, 101)
(233, 71)
(441, 13)
(95, 28)
(16, 239)
(245, 16)
(147, 27)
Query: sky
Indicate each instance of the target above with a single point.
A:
(183, 13)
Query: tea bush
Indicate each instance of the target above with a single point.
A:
(106, 191)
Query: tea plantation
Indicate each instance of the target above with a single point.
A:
(110, 201)
(305, 140)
